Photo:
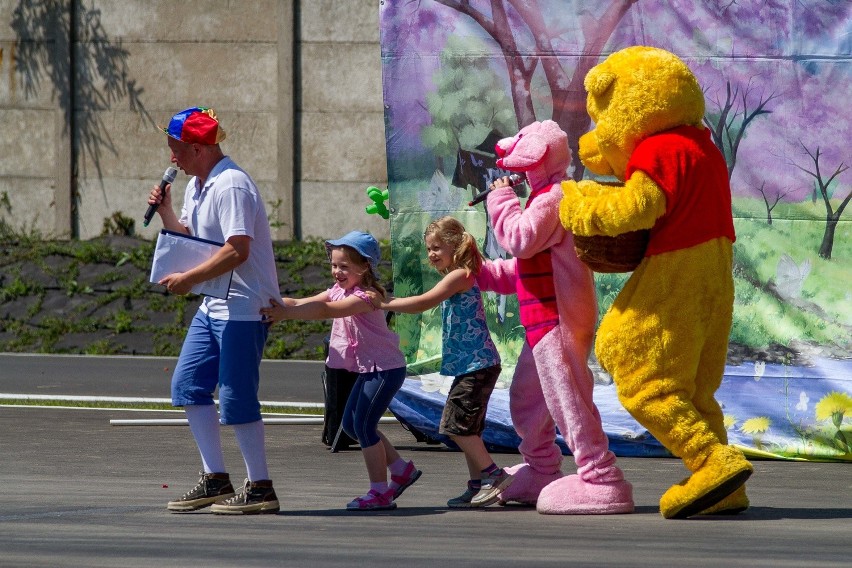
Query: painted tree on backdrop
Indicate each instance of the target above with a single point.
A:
(743, 99)
(766, 69)
(468, 104)
(819, 150)
(529, 37)
(770, 72)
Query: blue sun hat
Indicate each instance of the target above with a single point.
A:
(365, 243)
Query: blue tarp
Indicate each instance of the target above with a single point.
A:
(770, 410)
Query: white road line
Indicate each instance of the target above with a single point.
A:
(139, 400)
(292, 420)
(295, 421)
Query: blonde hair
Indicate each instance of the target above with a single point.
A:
(465, 252)
(368, 278)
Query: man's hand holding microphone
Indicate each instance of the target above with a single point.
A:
(159, 195)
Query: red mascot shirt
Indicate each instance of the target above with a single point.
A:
(692, 173)
(536, 289)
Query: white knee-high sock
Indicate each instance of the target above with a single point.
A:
(204, 425)
(250, 439)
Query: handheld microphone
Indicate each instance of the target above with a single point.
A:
(168, 177)
(514, 179)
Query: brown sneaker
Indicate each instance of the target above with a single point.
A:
(211, 487)
(254, 498)
(491, 488)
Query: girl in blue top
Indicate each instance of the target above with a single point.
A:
(468, 353)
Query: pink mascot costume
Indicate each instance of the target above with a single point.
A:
(552, 385)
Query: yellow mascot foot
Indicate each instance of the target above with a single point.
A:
(722, 473)
(735, 503)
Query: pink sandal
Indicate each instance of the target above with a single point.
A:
(372, 501)
(406, 480)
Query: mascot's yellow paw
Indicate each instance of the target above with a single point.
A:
(722, 473)
(736, 502)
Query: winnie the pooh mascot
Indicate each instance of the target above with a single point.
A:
(552, 384)
(665, 338)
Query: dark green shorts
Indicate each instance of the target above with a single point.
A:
(464, 413)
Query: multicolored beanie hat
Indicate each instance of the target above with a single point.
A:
(196, 125)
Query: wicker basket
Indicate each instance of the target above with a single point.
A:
(621, 253)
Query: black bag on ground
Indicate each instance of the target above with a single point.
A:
(337, 384)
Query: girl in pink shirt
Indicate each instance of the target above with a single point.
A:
(362, 344)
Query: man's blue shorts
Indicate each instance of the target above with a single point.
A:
(226, 354)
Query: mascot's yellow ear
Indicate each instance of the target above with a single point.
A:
(597, 81)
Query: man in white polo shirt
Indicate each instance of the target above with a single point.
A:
(224, 344)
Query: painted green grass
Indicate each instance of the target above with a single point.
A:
(823, 313)
(820, 315)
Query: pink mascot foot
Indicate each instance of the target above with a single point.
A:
(527, 485)
(571, 495)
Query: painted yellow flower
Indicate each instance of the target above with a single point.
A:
(834, 405)
(431, 338)
(729, 421)
(757, 425)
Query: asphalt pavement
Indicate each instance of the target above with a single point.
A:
(80, 492)
(146, 377)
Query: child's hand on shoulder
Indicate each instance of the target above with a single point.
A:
(375, 298)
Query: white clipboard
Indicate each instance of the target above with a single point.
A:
(177, 252)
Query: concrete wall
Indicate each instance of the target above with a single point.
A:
(296, 84)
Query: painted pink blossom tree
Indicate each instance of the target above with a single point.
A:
(771, 72)
(822, 153)
(532, 36)
(799, 153)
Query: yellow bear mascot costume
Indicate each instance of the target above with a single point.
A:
(665, 339)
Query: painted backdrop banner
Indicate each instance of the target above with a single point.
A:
(460, 75)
